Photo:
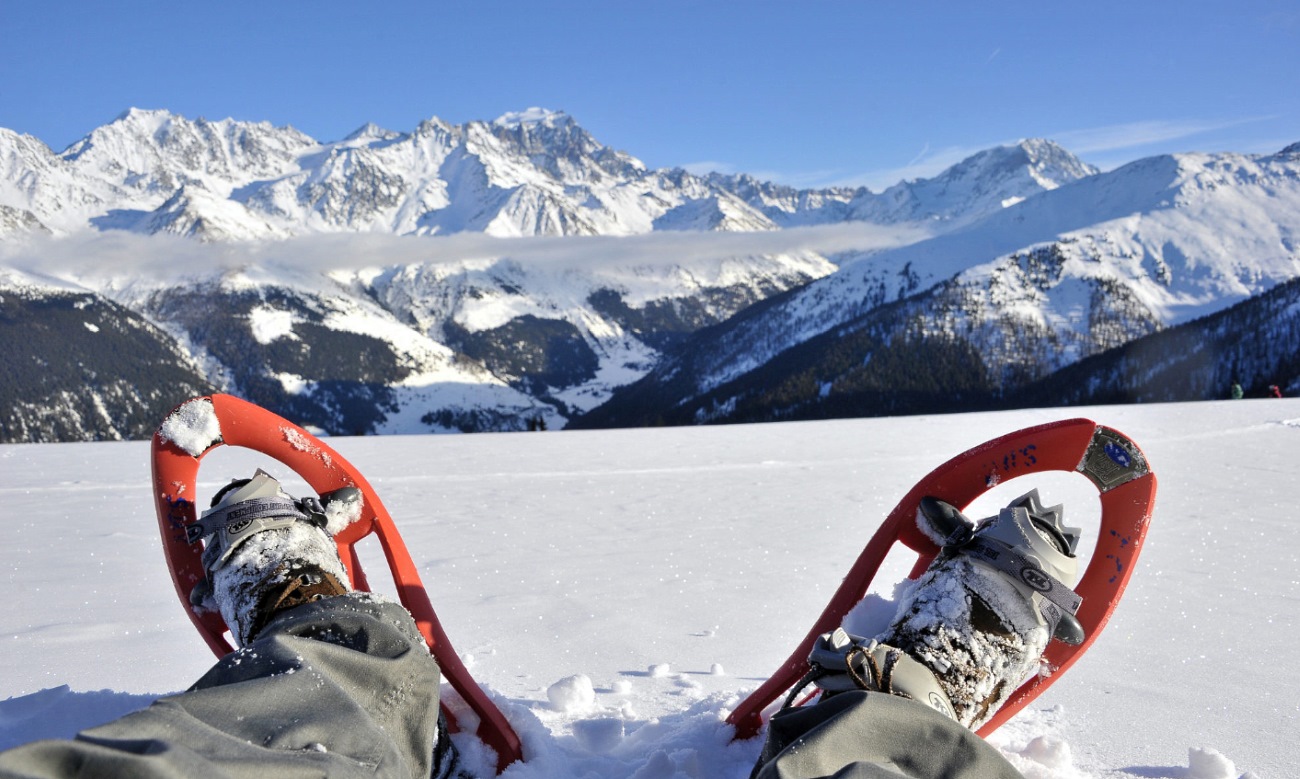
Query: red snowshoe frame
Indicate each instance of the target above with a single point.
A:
(253, 427)
(1110, 460)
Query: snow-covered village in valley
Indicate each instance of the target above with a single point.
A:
(793, 325)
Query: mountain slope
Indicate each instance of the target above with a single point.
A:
(977, 186)
(1255, 343)
(481, 344)
(1033, 287)
(78, 367)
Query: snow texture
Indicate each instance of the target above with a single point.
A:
(604, 553)
(263, 561)
(302, 443)
(978, 669)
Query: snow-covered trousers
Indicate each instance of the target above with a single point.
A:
(343, 687)
(871, 735)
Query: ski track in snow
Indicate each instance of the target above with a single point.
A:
(597, 583)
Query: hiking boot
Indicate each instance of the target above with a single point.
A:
(974, 626)
(264, 551)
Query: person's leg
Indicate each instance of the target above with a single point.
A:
(874, 735)
(326, 682)
(966, 634)
(338, 687)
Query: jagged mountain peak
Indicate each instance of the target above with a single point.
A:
(141, 116)
(534, 116)
(1044, 161)
(1292, 151)
(556, 143)
(746, 185)
(537, 129)
(979, 185)
(18, 149)
(372, 132)
(151, 152)
(160, 127)
(433, 127)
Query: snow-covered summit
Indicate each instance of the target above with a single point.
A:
(536, 172)
(143, 142)
(978, 185)
(533, 115)
(372, 132)
(531, 172)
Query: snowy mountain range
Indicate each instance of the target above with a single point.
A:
(971, 316)
(316, 278)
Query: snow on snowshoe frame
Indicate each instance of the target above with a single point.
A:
(203, 424)
(1111, 461)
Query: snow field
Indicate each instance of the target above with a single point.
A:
(642, 559)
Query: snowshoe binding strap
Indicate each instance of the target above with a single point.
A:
(227, 525)
(1056, 601)
(841, 662)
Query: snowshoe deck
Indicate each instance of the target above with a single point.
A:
(1114, 465)
(202, 424)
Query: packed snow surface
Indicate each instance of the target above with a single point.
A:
(597, 583)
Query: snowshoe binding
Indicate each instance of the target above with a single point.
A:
(265, 551)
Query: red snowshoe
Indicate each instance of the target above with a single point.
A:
(1113, 464)
(202, 424)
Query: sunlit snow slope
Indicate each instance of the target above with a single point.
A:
(704, 554)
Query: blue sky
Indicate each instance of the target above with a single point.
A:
(806, 93)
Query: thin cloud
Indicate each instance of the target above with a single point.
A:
(122, 257)
(1110, 140)
(1134, 135)
(920, 155)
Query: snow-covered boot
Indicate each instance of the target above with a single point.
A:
(972, 628)
(265, 551)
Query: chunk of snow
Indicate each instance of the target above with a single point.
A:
(1209, 764)
(1049, 751)
(572, 694)
(193, 427)
(92, 328)
(660, 670)
(341, 513)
